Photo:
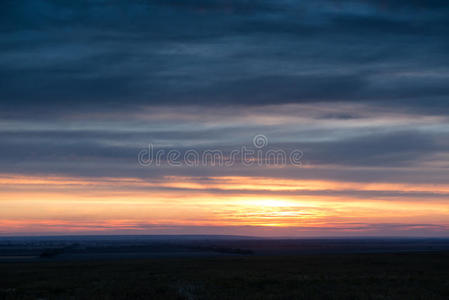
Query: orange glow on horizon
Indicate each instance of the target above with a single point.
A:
(62, 204)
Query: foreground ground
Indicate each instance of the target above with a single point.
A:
(326, 276)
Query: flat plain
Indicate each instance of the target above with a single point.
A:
(217, 272)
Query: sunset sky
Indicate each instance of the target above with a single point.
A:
(359, 87)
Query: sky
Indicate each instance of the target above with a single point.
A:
(344, 105)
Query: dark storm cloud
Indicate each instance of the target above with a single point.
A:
(59, 57)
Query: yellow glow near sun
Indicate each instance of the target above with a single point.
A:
(74, 203)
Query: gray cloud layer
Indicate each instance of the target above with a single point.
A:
(61, 57)
(366, 72)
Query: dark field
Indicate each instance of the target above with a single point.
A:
(327, 276)
(225, 273)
